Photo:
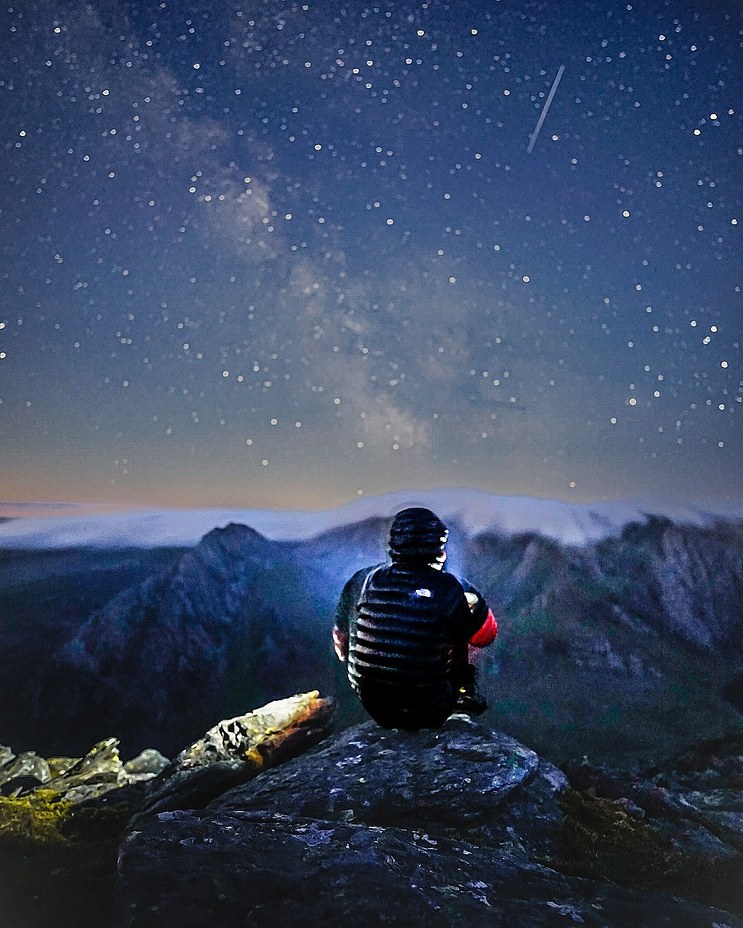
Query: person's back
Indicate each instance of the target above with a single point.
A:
(404, 628)
(401, 648)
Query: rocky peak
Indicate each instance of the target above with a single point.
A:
(240, 619)
(222, 549)
(462, 825)
(461, 775)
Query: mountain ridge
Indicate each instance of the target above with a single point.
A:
(646, 621)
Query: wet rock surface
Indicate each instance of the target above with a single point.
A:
(458, 826)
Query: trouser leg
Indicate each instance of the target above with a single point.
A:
(469, 698)
(463, 671)
(398, 709)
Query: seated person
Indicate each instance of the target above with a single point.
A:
(404, 629)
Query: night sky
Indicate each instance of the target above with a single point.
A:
(284, 254)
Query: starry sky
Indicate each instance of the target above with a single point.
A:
(284, 254)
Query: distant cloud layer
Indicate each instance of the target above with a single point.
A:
(471, 510)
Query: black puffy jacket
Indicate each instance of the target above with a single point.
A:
(404, 623)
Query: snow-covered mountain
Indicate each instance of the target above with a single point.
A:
(473, 510)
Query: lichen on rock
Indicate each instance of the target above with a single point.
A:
(36, 817)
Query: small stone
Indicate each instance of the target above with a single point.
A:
(60, 765)
(146, 765)
(101, 765)
(626, 805)
(27, 764)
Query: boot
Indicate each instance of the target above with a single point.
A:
(469, 697)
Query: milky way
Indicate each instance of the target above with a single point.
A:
(271, 253)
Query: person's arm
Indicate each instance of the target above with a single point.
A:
(483, 621)
(346, 604)
(340, 643)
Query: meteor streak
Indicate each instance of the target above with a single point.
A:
(545, 108)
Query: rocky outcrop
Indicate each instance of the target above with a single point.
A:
(64, 817)
(75, 780)
(457, 826)
(702, 788)
(460, 777)
(236, 750)
(232, 752)
(463, 825)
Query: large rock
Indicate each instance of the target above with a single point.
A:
(59, 839)
(456, 826)
(460, 778)
(199, 869)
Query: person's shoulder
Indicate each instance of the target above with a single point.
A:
(350, 593)
(468, 587)
(363, 573)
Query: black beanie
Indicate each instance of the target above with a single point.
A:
(417, 535)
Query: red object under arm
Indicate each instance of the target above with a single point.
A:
(340, 643)
(486, 633)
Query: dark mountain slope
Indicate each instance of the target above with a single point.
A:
(45, 597)
(631, 644)
(196, 640)
(626, 647)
